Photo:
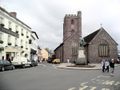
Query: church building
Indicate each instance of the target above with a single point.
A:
(99, 44)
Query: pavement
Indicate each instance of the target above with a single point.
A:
(70, 66)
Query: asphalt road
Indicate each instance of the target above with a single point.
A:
(48, 77)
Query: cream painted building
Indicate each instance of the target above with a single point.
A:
(44, 54)
(15, 36)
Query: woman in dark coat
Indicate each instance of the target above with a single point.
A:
(112, 65)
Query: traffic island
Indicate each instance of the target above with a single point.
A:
(83, 66)
(79, 67)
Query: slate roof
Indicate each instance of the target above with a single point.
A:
(88, 38)
(14, 17)
(59, 46)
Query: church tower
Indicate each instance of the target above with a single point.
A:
(72, 32)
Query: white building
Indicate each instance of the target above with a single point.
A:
(34, 46)
(15, 36)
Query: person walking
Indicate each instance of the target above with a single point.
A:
(112, 66)
(107, 64)
(9, 60)
(103, 65)
(68, 61)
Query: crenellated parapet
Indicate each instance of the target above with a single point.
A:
(70, 15)
(73, 15)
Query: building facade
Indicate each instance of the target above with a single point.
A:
(43, 55)
(34, 46)
(99, 44)
(15, 34)
(59, 52)
(71, 34)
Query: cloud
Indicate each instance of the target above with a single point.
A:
(46, 17)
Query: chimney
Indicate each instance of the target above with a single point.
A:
(14, 14)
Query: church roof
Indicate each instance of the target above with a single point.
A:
(59, 46)
(88, 38)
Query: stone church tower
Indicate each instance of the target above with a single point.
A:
(100, 43)
(72, 32)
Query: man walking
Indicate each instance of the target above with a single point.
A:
(112, 65)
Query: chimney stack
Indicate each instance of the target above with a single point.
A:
(14, 14)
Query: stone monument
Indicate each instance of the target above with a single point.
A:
(81, 60)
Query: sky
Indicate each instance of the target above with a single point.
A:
(46, 17)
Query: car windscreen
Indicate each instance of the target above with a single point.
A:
(1, 62)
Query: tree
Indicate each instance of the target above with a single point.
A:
(50, 52)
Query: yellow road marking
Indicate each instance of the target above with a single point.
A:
(93, 88)
(108, 82)
(117, 83)
(105, 89)
(73, 88)
(83, 87)
(82, 84)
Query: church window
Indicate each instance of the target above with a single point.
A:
(103, 50)
(72, 21)
(72, 31)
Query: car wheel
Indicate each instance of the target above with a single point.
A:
(23, 66)
(3, 69)
(31, 65)
(13, 67)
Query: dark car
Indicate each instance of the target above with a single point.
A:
(34, 63)
(49, 60)
(6, 65)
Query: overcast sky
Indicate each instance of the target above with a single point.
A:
(46, 17)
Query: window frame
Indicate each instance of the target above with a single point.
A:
(103, 50)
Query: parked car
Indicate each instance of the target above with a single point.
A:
(56, 61)
(49, 60)
(34, 63)
(21, 62)
(6, 65)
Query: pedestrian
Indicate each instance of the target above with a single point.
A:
(9, 59)
(2, 57)
(103, 65)
(107, 64)
(112, 66)
(68, 61)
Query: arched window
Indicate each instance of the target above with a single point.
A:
(103, 50)
(74, 48)
(72, 31)
(72, 21)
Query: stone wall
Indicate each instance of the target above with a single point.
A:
(71, 34)
(102, 37)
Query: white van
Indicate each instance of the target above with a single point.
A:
(21, 61)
